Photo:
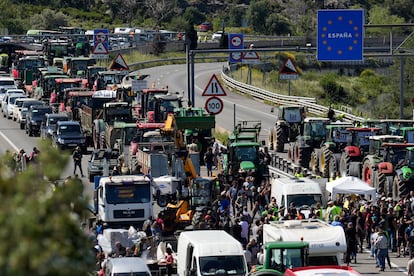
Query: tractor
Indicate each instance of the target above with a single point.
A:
(354, 152)
(386, 152)
(325, 160)
(242, 156)
(404, 176)
(313, 135)
(289, 125)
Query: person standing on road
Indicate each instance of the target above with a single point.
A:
(209, 161)
(381, 244)
(77, 160)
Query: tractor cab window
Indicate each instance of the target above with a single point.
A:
(293, 115)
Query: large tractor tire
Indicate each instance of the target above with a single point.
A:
(333, 166)
(324, 161)
(368, 173)
(302, 155)
(270, 139)
(399, 188)
(291, 153)
(355, 169)
(314, 162)
(344, 164)
(380, 182)
(280, 139)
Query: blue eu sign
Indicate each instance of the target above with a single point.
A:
(340, 35)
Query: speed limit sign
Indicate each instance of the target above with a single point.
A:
(214, 105)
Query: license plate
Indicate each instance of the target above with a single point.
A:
(72, 145)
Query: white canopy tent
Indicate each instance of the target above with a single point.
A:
(350, 185)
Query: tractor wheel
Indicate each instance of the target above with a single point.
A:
(333, 166)
(280, 139)
(303, 155)
(380, 182)
(399, 188)
(290, 153)
(270, 139)
(355, 169)
(102, 140)
(324, 161)
(368, 173)
(313, 164)
(162, 200)
(344, 164)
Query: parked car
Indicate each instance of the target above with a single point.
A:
(49, 124)
(8, 104)
(217, 35)
(205, 27)
(21, 117)
(69, 135)
(34, 118)
(102, 162)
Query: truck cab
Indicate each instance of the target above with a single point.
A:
(123, 200)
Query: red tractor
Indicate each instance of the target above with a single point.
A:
(386, 152)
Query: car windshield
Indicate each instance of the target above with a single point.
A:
(65, 129)
(128, 193)
(304, 200)
(222, 265)
(131, 274)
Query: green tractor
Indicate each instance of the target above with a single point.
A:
(404, 176)
(313, 135)
(386, 152)
(325, 160)
(242, 156)
(281, 255)
(289, 125)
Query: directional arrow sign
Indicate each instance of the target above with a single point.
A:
(214, 88)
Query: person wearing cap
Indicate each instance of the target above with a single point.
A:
(77, 160)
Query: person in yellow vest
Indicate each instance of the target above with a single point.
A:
(319, 211)
(347, 202)
(329, 211)
(299, 172)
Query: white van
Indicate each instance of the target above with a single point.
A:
(209, 252)
(126, 266)
(303, 192)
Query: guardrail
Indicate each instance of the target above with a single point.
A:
(279, 99)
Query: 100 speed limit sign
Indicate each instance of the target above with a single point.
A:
(214, 105)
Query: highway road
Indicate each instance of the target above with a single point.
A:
(12, 138)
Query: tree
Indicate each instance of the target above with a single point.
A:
(257, 14)
(194, 16)
(159, 10)
(381, 15)
(49, 20)
(41, 233)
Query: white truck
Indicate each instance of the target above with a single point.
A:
(124, 200)
(303, 192)
(327, 243)
(209, 252)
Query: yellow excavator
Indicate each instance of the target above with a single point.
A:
(196, 193)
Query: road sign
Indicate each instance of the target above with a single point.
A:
(340, 35)
(214, 105)
(288, 70)
(236, 41)
(214, 88)
(250, 57)
(100, 43)
(119, 63)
